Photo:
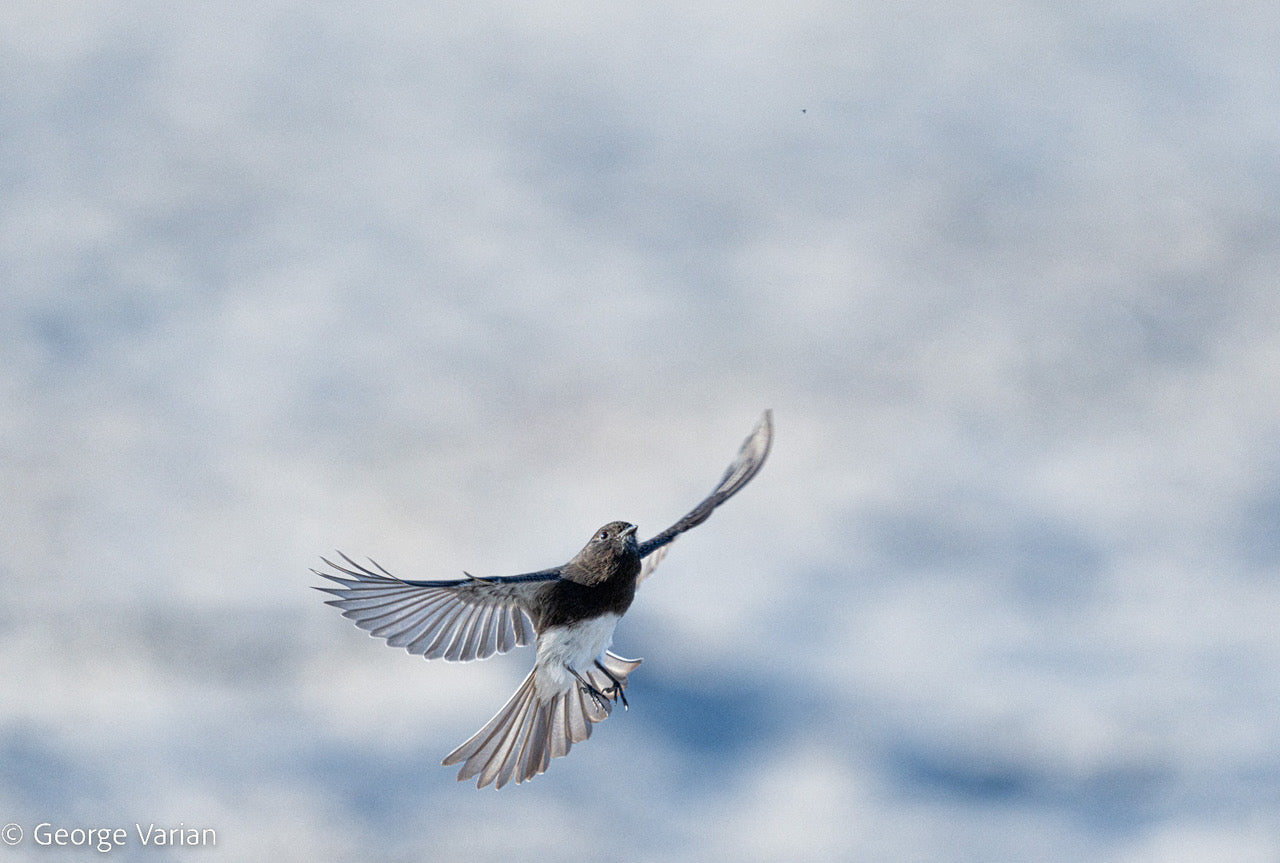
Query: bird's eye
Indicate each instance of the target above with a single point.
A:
(604, 534)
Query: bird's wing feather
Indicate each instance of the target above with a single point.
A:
(461, 620)
(650, 563)
(751, 456)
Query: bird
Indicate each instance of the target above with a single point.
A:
(569, 611)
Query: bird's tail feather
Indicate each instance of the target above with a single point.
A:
(535, 726)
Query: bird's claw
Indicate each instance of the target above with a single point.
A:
(614, 692)
(596, 695)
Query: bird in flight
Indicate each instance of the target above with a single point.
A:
(569, 610)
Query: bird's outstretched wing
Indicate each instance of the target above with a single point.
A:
(470, 618)
(755, 449)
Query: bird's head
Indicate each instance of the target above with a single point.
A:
(608, 548)
(618, 536)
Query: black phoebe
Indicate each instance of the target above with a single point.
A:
(571, 610)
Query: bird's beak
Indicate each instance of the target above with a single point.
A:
(629, 530)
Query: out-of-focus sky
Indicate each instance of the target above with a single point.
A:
(450, 285)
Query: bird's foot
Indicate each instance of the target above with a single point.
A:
(586, 688)
(597, 696)
(614, 692)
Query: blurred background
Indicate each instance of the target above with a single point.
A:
(451, 285)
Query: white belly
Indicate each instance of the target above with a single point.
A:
(577, 647)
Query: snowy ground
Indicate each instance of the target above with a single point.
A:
(451, 286)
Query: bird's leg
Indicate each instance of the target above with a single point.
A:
(616, 689)
(596, 695)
